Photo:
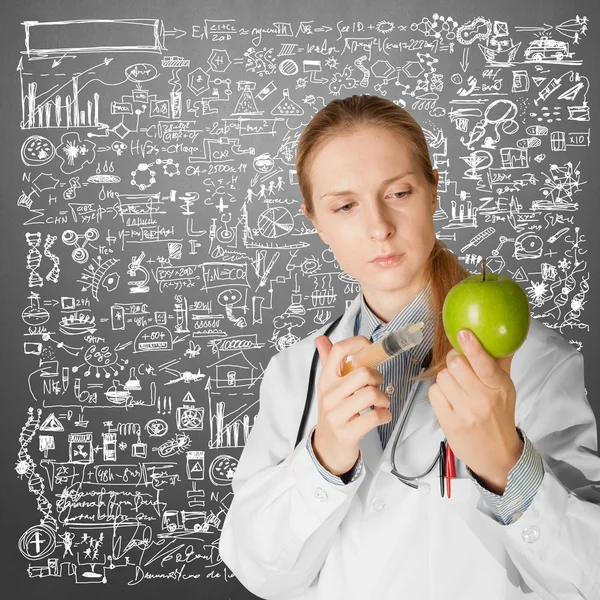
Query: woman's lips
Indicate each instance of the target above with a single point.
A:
(390, 261)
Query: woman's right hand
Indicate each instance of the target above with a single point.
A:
(340, 427)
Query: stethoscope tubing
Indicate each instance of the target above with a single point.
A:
(408, 408)
(409, 405)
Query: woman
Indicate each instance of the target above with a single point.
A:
(327, 518)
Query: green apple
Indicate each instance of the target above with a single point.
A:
(491, 305)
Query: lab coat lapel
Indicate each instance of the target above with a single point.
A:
(422, 414)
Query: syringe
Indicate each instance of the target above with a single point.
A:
(389, 346)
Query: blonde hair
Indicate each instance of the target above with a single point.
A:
(344, 116)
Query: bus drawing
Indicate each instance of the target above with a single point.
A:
(184, 521)
(547, 49)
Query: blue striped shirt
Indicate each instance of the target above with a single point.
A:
(524, 478)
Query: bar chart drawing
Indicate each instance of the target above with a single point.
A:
(62, 106)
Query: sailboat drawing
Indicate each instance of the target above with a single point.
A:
(496, 56)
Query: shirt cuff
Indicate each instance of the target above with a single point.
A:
(343, 479)
(523, 482)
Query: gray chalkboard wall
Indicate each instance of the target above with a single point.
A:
(155, 256)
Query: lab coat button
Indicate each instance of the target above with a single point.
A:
(321, 494)
(389, 389)
(378, 504)
(531, 534)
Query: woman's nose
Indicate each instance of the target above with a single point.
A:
(380, 223)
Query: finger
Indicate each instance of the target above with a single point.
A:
(363, 399)
(359, 425)
(505, 363)
(461, 370)
(453, 392)
(324, 345)
(483, 364)
(345, 387)
(441, 407)
(340, 350)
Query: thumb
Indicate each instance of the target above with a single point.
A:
(490, 370)
(324, 345)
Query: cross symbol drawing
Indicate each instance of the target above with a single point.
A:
(37, 541)
(222, 206)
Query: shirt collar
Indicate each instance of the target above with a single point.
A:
(418, 309)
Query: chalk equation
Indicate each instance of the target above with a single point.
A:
(167, 257)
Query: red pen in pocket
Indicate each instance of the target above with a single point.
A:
(450, 467)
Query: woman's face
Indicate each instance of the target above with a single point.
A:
(361, 214)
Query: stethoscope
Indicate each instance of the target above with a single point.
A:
(406, 479)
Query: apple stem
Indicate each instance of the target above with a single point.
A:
(483, 269)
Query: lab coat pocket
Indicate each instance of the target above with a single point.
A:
(464, 548)
(464, 496)
(464, 491)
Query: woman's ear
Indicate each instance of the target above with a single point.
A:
(314, 222)
(320, 233)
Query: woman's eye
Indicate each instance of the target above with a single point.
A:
(341, 208)
(400, 194)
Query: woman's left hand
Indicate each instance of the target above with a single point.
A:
(474, 400)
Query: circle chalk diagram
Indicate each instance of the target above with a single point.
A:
(37, 542)
(275, 222)
(37, 151)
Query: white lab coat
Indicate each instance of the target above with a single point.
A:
(289, 533)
